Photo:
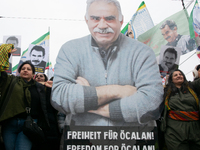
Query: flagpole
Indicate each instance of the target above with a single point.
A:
(49, 50)
(183, 4)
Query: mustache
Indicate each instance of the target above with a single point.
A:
(168, 63)
(35, 61)
(168, 37)
(103, 31)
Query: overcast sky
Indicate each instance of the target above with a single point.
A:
(65, 19)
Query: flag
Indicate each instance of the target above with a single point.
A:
(194, 25)
(140, 22)
(155, 38)
(194, 21)
(50, 70)
(42, 41)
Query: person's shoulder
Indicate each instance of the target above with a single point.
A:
(76, 46)
(43, 62)
(185, 37)
(39, 85)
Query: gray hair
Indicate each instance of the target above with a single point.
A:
(115, 2)
(170, 23)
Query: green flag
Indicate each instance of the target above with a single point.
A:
(140, 22)
(156, 37)
(194, 21)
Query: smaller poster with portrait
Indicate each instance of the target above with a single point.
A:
(16, 41)
(38, 56)
(169, 59)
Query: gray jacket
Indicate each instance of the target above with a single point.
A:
(133, 63)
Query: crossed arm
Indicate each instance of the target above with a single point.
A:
(106, 94)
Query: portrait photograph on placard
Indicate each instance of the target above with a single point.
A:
(169, 59)
(16, 41)
(38, 56)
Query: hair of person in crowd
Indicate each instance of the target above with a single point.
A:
(27, 62)
(45, 76)
(51, 79)
(171, 85)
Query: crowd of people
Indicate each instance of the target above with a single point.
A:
(180, 127)
(36, 90)
(181, 112)
(103, 79)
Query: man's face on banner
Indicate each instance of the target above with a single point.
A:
(14, 42)
(169, 59)
(103, 23)
(36, 57)
(130, 32)
(168, 34)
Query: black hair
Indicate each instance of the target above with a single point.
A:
(12, 38)
(38, 48)
(198, 67)
(171, 85)
(27, 62)
(171, 50)
(45, 76)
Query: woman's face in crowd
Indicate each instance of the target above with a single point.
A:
(177, 78)
(40, 77)
(26, 72)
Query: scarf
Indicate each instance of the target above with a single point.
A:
(4, 50)
(27, 94)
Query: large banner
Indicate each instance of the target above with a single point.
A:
(42, 41)
(109, 138)
(173, 31)
(194, 24)
(140, 22)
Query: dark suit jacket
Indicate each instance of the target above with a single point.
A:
(163, 73)
(18, 52)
